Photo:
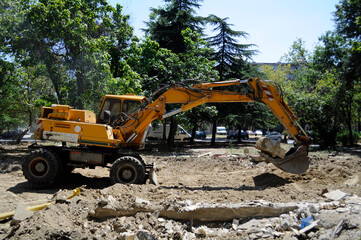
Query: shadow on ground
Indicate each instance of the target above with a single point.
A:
(71, 181)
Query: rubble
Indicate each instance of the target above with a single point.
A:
(215, 196)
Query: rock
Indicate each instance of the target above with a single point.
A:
(248, 225)
(235, 224)
(285, 224)
(201, 231)
(189, 236)
(313, 208)
(21, 213)
(127, 236)
(222, 232)
(145, 235)
(168, 225)
(271, 147)
(335, 195)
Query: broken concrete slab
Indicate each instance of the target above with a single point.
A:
(200, 212)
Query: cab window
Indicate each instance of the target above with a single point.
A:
(130, 105)
(113, 106)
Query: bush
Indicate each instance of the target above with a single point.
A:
(343, 137)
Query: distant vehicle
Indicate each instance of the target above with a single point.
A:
(10, 135)
(28, 136)
(221, 131)
(156, 133)
(250, 132)
(258, 132)
(274, 136)
(234, 135)
(200, 135)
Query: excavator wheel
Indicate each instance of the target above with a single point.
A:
(127, 170)
(41, 167)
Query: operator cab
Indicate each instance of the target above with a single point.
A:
(114, 106)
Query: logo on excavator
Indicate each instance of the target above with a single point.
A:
(267, 92)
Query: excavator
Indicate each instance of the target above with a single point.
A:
(107, 139)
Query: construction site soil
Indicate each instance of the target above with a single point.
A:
(204, 192)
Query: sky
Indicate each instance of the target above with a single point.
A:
(272, 25)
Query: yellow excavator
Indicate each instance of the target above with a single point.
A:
(90, 140)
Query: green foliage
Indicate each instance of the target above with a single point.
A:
(71, 39)
(343, 137)
(227, 52)
(167, 23)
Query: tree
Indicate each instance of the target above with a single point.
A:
(71, 38)
(166, 24)
(227, 52)
(348, 26)
(159, 68)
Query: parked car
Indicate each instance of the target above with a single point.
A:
(234, 135)
(250, 132)
(274, 136)
(258, 132)
(200, 135)
(221, 131)
(156, 133)
(10, 135)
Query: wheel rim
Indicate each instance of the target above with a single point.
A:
(39, 167)
(127, 174)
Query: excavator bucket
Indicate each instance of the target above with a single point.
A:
(294, 161)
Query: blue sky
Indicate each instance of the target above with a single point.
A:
(273, 25)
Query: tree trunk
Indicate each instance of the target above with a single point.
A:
(193, 133)
(214, 131)
(164, 137)
(239, 139)
(172, 131)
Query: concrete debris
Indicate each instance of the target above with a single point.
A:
(235, 224)
(21, 213)
(270, 146)
(198, 212)
(127, 217)
(336, 195)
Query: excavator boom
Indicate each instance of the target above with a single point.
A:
(294, 161)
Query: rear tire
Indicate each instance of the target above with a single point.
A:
(127, 170)
(41, 167)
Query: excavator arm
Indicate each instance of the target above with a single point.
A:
(133, 129)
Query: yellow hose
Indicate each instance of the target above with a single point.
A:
(76, 191)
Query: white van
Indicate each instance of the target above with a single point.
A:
(156, 133)
(221, 131)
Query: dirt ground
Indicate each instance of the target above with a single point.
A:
(197, 174)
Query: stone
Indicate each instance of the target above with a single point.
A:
(248, 225)
(313, 208)
(285, 224)
(235, 224)
(189, 236)
(145, 235)
(168, 225)
(21, 213)
(127, 236)
(335, 195)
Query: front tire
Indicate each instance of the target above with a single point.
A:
(41, 167)
(127, 170)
